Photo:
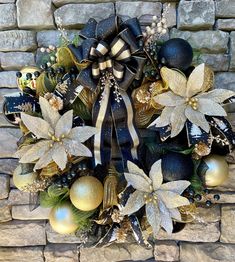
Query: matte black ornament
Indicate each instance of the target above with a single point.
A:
(176, 166)
(176, 53)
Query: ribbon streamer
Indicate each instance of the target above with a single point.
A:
(114, 58)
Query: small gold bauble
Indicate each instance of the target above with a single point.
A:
(62, 219)
(22, 181)
(217, 170)
(86, 193)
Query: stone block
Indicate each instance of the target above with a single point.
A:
(228, 224)
(225, 24)
(18, 233)
(211, 42)
(4, 186)
(75, 15)
(217, 62)
(8, 16)
(225, 8)
(232, 51)
(194, 15)
(17, 40)
(17, 197)
(194, 232)
(229, 183)
(52, 37)
(35, 14)
(171, 15)
(8, 140)
(59, 3)
(5, 215)
(167, 251)
(8, 79)
(121, 252)
(21, 254)
(23, 212)
(61, 253)
(16, 60)
(225, 80)
(206, 252)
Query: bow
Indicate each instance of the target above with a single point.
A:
(111, 58)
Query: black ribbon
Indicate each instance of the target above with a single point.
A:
(113, 58)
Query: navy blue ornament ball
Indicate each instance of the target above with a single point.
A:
(176, 53)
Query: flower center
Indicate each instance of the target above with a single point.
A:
(54, 138)
(150, 198)
(193, 102)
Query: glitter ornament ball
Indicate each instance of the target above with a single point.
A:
(21, 181)
(176, 53)
(86, 193)
(217, 171)
(62, 219)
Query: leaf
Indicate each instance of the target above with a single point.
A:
(55, 191)
(50, 201)
(196, 81)
(197, 118)
(178, 120)
(176, 186)
(217, 95)
(171, 199)
(134, 203)
(48, 113)
(44, 160)
(80, 109)
(176, 80)
(169, 99)
(81, 216)
(153, 217)
(59, 155)
(164, 118)
(138, 182)
(175, 213)
(166, 221)
(156, 174)
(210, 108)
(134, 169)
(64, 125)
(76, 148)
(36, 151)
(39, 127)
(82, 133)
(19, 153)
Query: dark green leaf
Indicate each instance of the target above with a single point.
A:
(79, 109)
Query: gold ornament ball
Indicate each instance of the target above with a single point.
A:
(62, 219)
(86, 193)
(217, 170)
(23, 82)
(21, 181)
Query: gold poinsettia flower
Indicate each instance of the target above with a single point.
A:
(161, 200)
(58, 139)
(188, 99)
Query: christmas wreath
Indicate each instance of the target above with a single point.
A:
(121, 135)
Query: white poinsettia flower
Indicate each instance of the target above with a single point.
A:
(160, 200)
(188, 99)
(58, 138)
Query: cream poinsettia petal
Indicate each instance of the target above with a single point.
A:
(134, 203)
(175, 80)
(197, 118)
(19, 153)
(59, 155)
(48, 113)
(36, 151)
(178, 120)
(64, 124)
(166, 221)
(156, 174)
(153, 217)
(36, 125)
(138, 182)
(171, 199)
(210, 108)
(165, 118)
(169, 99)
(175, 213)
(177, 186)
(134, 169)
(195, 82)
(82, 133)
(44, 160)
(75, 148)
(217, 95)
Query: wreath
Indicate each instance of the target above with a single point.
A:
(121, 136)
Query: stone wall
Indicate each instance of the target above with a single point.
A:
(28, 24)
